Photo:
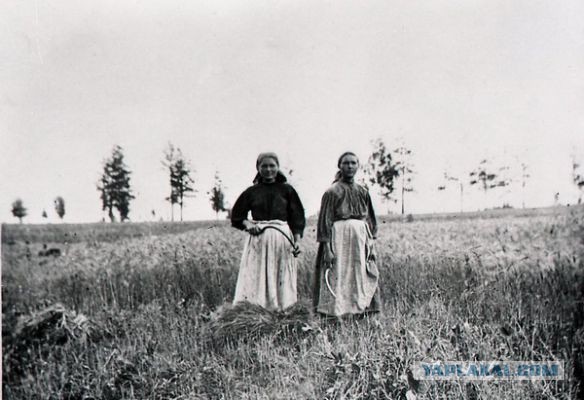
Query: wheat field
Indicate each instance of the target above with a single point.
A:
(137, 302)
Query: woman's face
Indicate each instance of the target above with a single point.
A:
(349, 166)
(268, 169)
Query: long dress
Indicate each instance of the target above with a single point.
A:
(347, 223)
(268, 270)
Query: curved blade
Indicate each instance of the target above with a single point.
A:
(328, 284)
(295, 250)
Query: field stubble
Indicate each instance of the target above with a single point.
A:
(507, 288)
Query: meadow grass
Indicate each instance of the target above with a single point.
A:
(507, 287)
(63, 233)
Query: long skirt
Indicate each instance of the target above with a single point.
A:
(350, 284)
(268, 271)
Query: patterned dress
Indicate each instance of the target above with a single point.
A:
(347, 223)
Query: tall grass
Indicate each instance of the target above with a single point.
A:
(98, 231)
(506, 288)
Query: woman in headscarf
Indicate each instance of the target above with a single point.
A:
(346, 281)
(268, 271)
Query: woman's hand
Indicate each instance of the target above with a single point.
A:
(371, 252)
(328, 255)
(297, 248)
(251, 228)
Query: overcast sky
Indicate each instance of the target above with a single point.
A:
(458, 81)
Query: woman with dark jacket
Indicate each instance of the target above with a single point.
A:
(268, 271)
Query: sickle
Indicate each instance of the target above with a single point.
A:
(328, 285)
(283, 233)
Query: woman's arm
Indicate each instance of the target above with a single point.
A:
(297, 246)
(251, 228)
(325, 218)
(240, 210)
(371, 218)
(296, 218)
(325, 225)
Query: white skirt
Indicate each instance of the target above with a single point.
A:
(268, 271)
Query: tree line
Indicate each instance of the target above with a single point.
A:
(391, 171)
(20, 211)
(116, 193)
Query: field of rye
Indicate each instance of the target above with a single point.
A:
(503, 286)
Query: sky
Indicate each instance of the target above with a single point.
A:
(455, 81)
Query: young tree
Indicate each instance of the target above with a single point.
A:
(403, 165)
(485, 177)
(181, 182)
(481, 176)
(60, 206)
(381, 170)
(19, 210)
(217, 196)
(114, 185)
(504, 181)
(577, 177)
(44, 214)
(524, 177)
(450, 178)
(287, 167)
(168, 163)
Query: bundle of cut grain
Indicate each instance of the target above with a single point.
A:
(55, 324)
(44, 329)
(244, 321)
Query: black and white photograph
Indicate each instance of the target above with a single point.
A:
(378, 199)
